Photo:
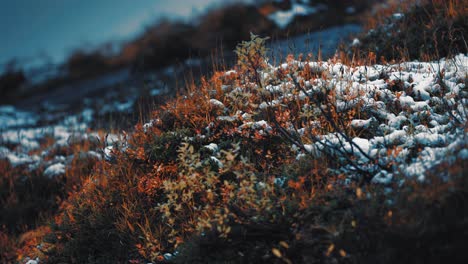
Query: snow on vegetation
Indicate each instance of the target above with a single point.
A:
(10, 118)
(381, 123)
(25, 142)
(55, 170)
(416, 112)
(417, 108)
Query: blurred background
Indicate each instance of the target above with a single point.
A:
(125, 55)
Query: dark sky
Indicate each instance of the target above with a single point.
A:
(29, 28)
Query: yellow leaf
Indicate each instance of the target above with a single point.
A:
(359, 193)
(353, 223)
(276, 252)
(130, 226)
(330, 249)
(342, 253)
(284, 244)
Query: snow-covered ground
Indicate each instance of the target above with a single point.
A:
(21, 136)
(72, 114)
(413, 117)
(411, 126)
(415, 114)
(37, 140)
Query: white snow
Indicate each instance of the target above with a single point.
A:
(283, 18)
(54, 170)
(148, 125)
(398, 16)
(212, 147)
(216, 161)
(11, 117)
(362, 143)
(408, 132)
(383, 177)
(312, 149)
(216, 103)
(230, 72)
(365, 73)
(33, 261)
(406, 100)
(396, 121)
(18, 159)
(356, 42)
(94, 154)
(363, 123)
(21, 133)
(428, 139)
(262, 124)
(108, 153)
(227, 118)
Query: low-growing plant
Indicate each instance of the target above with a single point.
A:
(249, 166)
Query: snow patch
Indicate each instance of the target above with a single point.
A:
(55, 170)
(283, 18)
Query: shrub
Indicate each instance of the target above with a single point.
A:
(251, 165)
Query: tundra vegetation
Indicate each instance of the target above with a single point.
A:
(357, 159)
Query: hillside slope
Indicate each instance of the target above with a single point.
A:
(250, 162)
(349, 160)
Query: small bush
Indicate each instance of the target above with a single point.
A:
(259, 165)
